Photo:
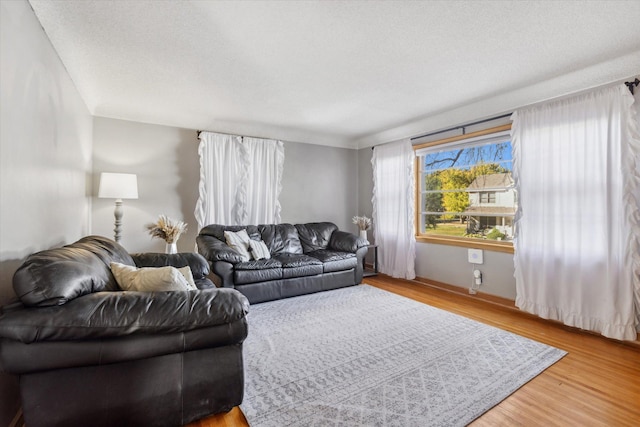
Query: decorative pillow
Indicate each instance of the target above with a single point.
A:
(149, 279)
(259, 249)
(186, 272)
(239, 241)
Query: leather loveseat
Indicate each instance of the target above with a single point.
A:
(304, 258)
(89, 354)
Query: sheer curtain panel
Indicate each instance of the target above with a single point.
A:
(240, 180)
(393, 208)
(220, 170)
(633, 184)
(577, 224)
(262, 181)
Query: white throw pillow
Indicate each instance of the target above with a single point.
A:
(186, 272)
(239, 241)
(259, 249)
(149, 279)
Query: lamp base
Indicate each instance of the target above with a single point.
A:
(117, 213)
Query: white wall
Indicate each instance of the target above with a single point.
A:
(319, 183)
(45, 155)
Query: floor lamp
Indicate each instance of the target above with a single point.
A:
(118, 186)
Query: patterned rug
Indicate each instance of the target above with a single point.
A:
(361, 356)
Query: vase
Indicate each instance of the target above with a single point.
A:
(363, 235)
(171, 248)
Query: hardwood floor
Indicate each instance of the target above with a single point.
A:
(596, 384)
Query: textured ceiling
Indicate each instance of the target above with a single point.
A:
(343, 73)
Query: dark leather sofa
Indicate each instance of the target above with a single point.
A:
(88, 354)
(305, 258)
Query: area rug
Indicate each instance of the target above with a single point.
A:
(361, 356)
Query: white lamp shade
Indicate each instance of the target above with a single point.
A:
(118, 186)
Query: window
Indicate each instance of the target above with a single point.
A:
(487, 197)
(465, 190)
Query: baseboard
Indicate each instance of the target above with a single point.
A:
(508, 304)
(504, 302)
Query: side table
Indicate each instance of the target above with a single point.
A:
(368, 271)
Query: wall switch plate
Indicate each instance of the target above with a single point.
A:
(475, 256)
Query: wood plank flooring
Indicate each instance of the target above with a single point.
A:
(596, 384)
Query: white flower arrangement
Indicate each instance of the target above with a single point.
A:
(167, 229)
(362, 222)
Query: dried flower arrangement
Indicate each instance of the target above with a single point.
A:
(362, 222)
(167, 229)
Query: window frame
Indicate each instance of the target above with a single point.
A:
(490, 245)
(487, 197)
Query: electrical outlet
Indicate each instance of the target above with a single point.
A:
(475, 256)
(477, 274)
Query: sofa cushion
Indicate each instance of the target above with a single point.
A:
(296, 260)
(198, 264)
(315, 235)
(151, 279)
(259, 249)
(259, 264)
(281, 238)
(342, 241)
(239, 242)
(301, 271)
(55, 276)
(214, 250)
(188, 274)
(257, 271)
(242, 277)
(335, 260)
(298, 265)
(217, 231)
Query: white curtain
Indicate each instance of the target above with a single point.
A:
(240, 180)
(393, 208)
(633, 184)
(577, 224)
(263, 180)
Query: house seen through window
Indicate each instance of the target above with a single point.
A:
(466, 189)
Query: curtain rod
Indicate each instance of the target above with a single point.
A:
(461, 126)
(240, 136)
(630, 85)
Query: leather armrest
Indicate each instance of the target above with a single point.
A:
(216, 250)
(346, 242)
(117, 314)
(224, 271)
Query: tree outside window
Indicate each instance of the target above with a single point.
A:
(466, 189)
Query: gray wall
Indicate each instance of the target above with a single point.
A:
(319, 183)
(165, 159)
(45, 155)
(449, 264)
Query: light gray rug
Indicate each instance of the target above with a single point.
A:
(361, 356)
